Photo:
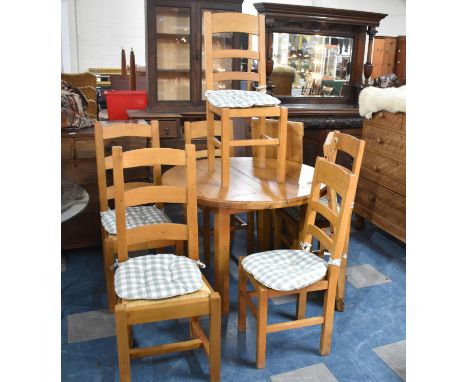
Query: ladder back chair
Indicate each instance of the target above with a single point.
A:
(230, 107)
(146, 214)
(149, 286)
(293, 219)
(197, 130)
(294, 153)
(297, 272)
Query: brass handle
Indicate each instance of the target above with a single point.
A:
(379, 140)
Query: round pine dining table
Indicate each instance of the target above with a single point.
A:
(250, 189)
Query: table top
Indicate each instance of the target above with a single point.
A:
(251, 188)
(75, 199)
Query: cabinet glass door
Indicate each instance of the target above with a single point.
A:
(173, 53)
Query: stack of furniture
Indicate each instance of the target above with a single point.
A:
(390, 57)
(381, 195)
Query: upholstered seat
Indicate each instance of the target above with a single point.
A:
(285, 269)
(135, 217)
(156, 277)
(240, 98)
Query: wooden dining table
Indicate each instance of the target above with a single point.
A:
(250, 189)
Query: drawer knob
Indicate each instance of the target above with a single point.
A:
(382, 115)
(379, 140)
(375, 168)
(371, 197)
(166, 130)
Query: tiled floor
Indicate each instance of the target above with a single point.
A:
(368, 337)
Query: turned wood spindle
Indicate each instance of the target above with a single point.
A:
(371, 31)
(132, 81)
(123, 64)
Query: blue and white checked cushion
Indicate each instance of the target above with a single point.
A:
(285, 269)
(240, 98)
(135, 217)
(153, 277)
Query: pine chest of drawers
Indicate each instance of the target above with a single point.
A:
(381, 193)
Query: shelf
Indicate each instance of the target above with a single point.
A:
(172, 35)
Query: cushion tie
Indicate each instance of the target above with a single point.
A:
(335, 262)
(199, 263)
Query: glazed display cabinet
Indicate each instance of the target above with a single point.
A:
(174, 52)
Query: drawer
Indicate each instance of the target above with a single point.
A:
(381, 204)
(168, 129)
(67, 149)
(388, 120)
(82, 171)
(385, 171)
(85, 148)
(385, 142)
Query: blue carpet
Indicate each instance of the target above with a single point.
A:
(374, 316)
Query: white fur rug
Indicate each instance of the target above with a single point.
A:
(372, 100)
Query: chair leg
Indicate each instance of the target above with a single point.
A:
(179, 248)
(301, 305)
(215, 337)
(121, 329)
(340, 290)
(328, 312)
(262, 314)
(108, 258)
(282, 135)
(242, 290)
(225, 147)
(250, 232)
(206, 236)
(278, 228)
(130, 336)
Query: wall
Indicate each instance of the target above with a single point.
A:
(97, 30)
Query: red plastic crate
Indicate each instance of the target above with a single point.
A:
(119, 101)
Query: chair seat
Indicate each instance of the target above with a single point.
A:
(285, 269)
(135, 217)
(157, 277)
(240, 98)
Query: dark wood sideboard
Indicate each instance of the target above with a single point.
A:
(79, 166)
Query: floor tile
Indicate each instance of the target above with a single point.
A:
(90, 326)
(64, 264)
(314, 373)
(394, 355)
(365, 275)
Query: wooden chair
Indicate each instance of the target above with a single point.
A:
(251, 25)
(343, 183)
(205, 301)
(294, 153)
(86, 82)
(292, 219)
(198, 130)
(106, 193)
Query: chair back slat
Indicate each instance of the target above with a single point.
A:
(235, 23)
(236, 53)
(353, 146)
(149, 156)
(162, 231)
(103, 163)
(153, 194)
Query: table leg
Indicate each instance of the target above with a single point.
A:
(264, 226)
(222, 237)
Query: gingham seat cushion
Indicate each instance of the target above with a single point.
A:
(154, 277)
(285, 269)
(240, 98)
(135, 217)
